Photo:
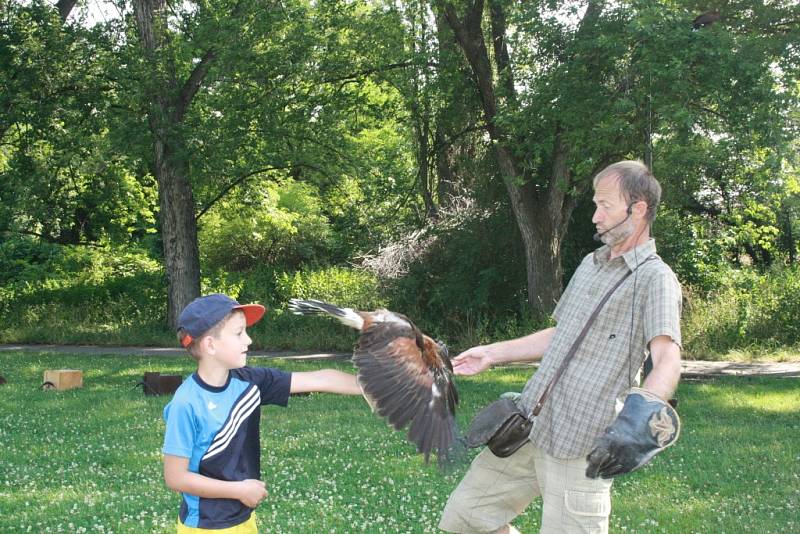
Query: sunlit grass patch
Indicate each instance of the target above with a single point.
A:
(89, 460)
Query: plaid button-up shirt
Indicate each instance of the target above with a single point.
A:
(585, 399)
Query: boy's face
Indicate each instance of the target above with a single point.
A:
(232, 342)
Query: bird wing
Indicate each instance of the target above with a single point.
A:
(406, 390)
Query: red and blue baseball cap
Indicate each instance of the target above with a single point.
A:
(204, 312)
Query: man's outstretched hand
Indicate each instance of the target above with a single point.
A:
(645, 426)
(472, 361)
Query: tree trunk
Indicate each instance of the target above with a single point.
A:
(421, 120)
(541, 213)
(178, 229)
(165, 113)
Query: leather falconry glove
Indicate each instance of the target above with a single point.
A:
(645, 426)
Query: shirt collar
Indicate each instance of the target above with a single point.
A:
(633, 258)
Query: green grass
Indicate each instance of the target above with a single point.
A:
(88, 460)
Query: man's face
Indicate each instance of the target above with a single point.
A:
(610, 214)
(232, 342)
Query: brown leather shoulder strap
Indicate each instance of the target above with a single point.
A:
(575, 344)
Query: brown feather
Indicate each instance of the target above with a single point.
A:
(404, 376)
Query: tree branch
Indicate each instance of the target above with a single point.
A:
(711, 111)
(192, 84)
(234, 183)
(452, 139)
(383, 68)
(502, 57)
(240, 180)
(64, 8)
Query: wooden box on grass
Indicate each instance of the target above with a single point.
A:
(62, 379)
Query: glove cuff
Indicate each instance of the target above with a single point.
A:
(664, 424)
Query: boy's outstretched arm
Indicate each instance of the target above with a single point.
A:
(325, 380)
(178, 477)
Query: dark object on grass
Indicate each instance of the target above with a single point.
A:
(155, 383)
(706, 19)
(2, 380)
(405, 375)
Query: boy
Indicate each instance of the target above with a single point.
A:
(211, 445)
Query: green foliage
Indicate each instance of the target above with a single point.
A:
(345, 287)
(70, 169)
(291, 101)
(314, 123)
(278, 224)
(697, 249)
(63, 294)
(457, 287)
(274, 287)
(747, 309)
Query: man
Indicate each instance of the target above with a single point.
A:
(641, 316)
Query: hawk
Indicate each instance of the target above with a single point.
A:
(405, 375)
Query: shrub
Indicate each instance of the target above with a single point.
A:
(470, 271)
(280, 224)
(273, 287)
(69, 294)
(748, 309)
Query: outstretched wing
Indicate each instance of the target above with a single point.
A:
(408, 381)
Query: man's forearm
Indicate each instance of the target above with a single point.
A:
(528, 348)
(666, 372)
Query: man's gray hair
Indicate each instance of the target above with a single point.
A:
(636, 183)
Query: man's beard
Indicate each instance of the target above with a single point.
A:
(617, 235)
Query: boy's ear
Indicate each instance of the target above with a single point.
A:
(206, 344)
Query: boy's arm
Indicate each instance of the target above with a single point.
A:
(178, 477)
(327, 380)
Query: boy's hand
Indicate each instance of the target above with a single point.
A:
(252, 492)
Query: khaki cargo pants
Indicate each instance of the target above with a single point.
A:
(496, 490)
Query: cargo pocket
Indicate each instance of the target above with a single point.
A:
(588, 510)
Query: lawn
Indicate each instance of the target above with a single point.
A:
(88, 460)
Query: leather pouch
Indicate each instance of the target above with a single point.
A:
(501, 426)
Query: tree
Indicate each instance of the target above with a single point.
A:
(588, 84)
(169, 99)
(12, 86)
(271, 90)
(542, 209)
(66, 178)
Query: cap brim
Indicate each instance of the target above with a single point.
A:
(252, 312)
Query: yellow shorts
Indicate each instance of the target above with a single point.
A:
(248, 527)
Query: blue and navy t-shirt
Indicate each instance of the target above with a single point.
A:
(217, 428)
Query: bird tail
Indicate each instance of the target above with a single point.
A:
(313, 307)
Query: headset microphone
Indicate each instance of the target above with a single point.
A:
(598, 235)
